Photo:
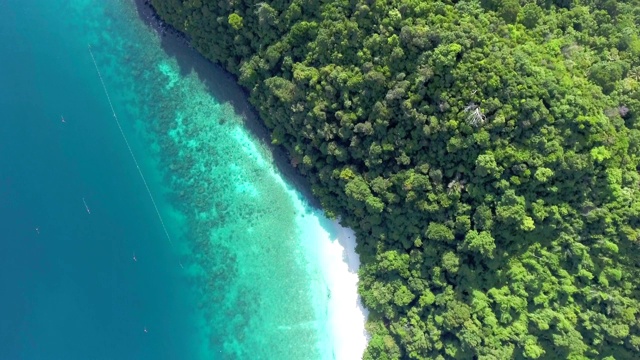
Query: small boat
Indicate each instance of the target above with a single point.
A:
(86, 207)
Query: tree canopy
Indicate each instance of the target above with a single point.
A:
(485, 152)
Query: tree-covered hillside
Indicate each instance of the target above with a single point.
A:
(486, 153)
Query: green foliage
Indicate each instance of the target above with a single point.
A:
(607, 73)
(509, 9)
(439, 232)
(235, 21)
(486, 153)
(480, 242)
(530, 15)
(486, 165)
(451, 262)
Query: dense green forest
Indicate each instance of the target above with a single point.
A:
(485, 152)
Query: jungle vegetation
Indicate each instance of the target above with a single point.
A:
(485, 152)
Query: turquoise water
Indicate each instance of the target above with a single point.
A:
(235, 279)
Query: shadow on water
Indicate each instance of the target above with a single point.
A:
(224, 87)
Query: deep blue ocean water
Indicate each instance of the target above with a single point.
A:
(231, 282)
(71, 289)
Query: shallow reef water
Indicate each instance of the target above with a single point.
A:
(237, 221)
(247, 269)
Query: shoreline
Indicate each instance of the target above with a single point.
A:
(339, 261)
(330, 249)
(223, 85)
(345, 306)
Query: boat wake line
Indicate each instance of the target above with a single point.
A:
(129, 147)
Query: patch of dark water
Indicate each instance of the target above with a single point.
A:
(223, 85)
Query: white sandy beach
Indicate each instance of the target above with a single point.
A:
(347, 316)
(331, 248)
(332, 264)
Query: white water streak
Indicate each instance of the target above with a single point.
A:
(129, 147)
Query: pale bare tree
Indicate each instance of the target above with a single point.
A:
(475, 117)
